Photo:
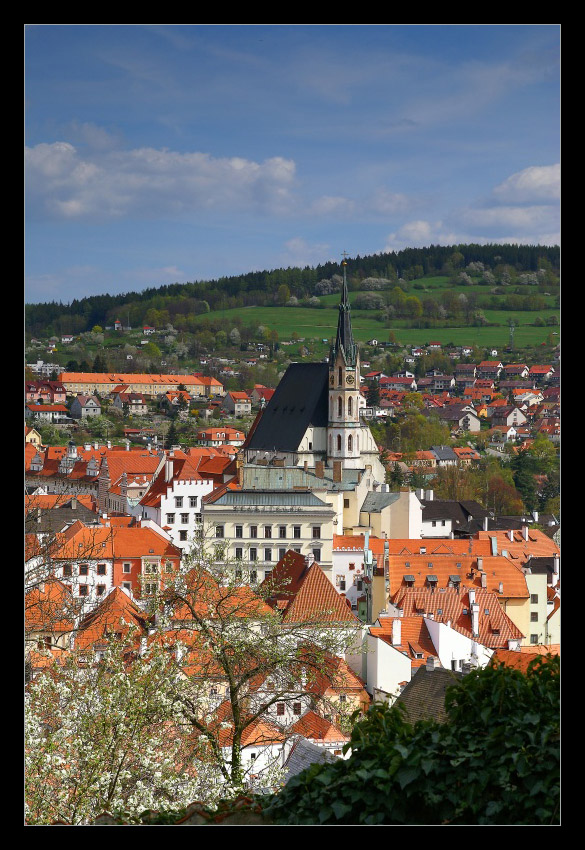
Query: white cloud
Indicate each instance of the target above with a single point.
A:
(148, 182)
(419, 234)
(298, 252)
(534, 185)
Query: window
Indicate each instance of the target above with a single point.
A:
(253, 554)
(268, 554)
(127, 585)
(267, 531)
(184, 519)
(182, 535)
(101, 569)
(533, 638)
(350, 443)
(100, 589)
(219, 530)
(170, 519)
(342, 697)
(239, 553)
(282, 531)
(267, 574)
(296, 708)
(83, 569)
(192, 501)
(339, 442)
(126, 568)
(350, 406)
(67, 570)
(339, 376)
(238, 575)
(253, 577)
(317, 554)
(339, 406)
(83, 590)
(280, 709)
(297, 532)
(346, 503)
(534, 598)
(317, 532)
(534, 617)
(253, 531)
(178, 501)
(281, 554)
(239, 531)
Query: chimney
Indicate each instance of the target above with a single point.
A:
(501, 587)
(535, 516)
(127, 445)
(471, 595)
(485, 523)
(525, 532)
(429, 495)
(511, 535)
(430, 663)
(336, 471)
(479, 562)
(74, 503)
(556, 564)
(475, 619)
(483, 580)
(396, 632)
(319, 469)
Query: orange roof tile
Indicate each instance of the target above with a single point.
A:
(415, 639)
(115, 614)
(316, 728)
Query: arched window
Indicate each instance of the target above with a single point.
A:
(339, 442)
(350, 406)
(339, 376)
(339, 406)
(350, 444)
(357, 442)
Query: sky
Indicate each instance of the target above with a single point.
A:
(158, 154)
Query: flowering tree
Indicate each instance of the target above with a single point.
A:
(239, 659)
(99, 737)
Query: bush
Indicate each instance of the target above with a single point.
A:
(494, 761)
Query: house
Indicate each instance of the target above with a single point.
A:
(91, 560)
(507, 415)
(134, 404)
(237, 403)
(396, 383)
(147, 330)
(490, 369)
(220, 437)
(458, 417)
(47, 392)
(53, 512)
(117, 325)
(47, 413)
(261, 394)
(423, 698)
(85, 407)
(395, 647)
(32, 437)
(174, 499)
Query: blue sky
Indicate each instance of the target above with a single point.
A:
(160, 154)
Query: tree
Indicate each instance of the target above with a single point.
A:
(240, 659)
(502, 771)
(99, 737)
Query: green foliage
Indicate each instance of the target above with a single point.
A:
(495, 761)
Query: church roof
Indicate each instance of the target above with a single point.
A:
(344, 341)
(299, 401)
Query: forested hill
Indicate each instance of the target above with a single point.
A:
(269, 287)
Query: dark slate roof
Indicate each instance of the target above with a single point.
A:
(459, 512)
(424, 696)
(375, 502)
(303, 754)
(299, 401)
(444, 453)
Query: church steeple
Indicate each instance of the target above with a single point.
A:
(344, 343)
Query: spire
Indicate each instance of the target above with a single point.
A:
(344, 340)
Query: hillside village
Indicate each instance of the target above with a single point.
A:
(287, 509)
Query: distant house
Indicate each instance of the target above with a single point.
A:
(47, 413)
(237, 403)
(85, 407)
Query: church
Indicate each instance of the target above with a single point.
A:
(306, 469)
(314, 415)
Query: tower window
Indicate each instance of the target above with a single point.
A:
(350, 443)
(339, 442)
(339, 376)
(350, 406)
(339, 406)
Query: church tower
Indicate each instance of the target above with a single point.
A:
(344, 430)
